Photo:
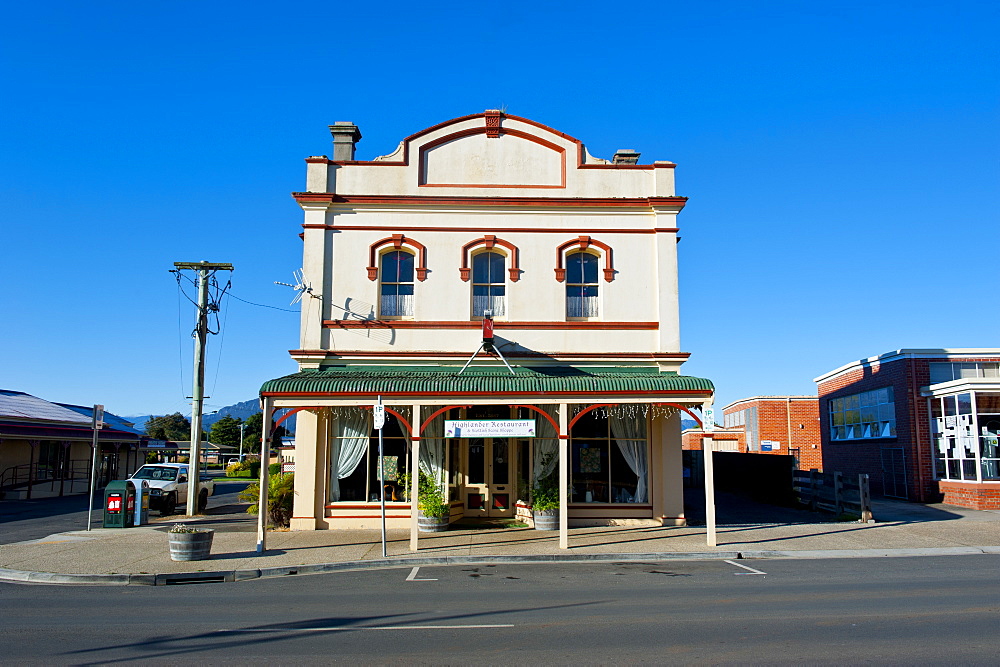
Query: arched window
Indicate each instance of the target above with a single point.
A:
(489, 288)
(396, 289)
(581, 284)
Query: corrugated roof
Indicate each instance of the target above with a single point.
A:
(17, 404)
(389, 381)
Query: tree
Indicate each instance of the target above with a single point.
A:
(254, 425)
(226, 432)
(169, 427)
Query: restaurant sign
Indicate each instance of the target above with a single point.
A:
(489, 428)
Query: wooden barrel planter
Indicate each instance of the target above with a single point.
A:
(191, 546)
(432, 524)
(546, 520)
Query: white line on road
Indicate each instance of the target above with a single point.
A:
(752, 571)
(413, 576)
(337, 628)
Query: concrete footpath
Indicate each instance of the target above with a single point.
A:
(140, 555)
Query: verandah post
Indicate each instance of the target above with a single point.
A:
(265, 455)
(414, 475)
(563, 476)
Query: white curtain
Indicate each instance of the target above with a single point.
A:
(348, 448)
(396, 305)
(497, 305)
(546, 443)
(630, 433)
(432, 450)
(581, 306)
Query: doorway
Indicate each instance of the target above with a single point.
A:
(489, 475)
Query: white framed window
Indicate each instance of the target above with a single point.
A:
(396, 285)
(581, 285)
(489, 284)
(870, 414)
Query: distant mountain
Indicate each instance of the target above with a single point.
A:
(688, 423)
(239, 411)
(236, 411)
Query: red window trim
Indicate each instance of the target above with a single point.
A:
(584, 242)
(398, 241)
(490, 241)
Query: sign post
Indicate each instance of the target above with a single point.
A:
(708, 452)
(96, 424)
(378, 417)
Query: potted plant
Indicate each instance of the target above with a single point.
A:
(188, 543)
(434, 512)
(545, 503)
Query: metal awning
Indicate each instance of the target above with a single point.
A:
(554, 382)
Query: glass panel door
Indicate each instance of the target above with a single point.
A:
(489, 469)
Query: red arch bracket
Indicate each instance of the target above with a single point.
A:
(490, 241)
(681, 407)
(543, 413)
(398, 241)
(583, 412)
(401, 418)
(444, 409)
(283, 418)
(584, 242)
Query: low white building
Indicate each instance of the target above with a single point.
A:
(575, 258)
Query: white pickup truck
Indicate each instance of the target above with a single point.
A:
(168, 486)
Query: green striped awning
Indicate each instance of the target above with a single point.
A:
(446, 381)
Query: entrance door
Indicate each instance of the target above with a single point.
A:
(489, 471)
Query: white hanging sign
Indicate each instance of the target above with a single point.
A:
(378, 414)
(489, 428)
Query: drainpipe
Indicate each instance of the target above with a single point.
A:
(915, 429)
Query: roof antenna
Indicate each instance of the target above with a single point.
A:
(300, 286)
(487, 344)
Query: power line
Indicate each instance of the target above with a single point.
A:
(262, 305)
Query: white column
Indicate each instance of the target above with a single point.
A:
(414, 476)
(307, 504)
(563, 476)
(265, 451)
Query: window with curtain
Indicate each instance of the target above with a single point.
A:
(609, 460)
(354, 461)
(396, 288)
(489, 284)
(581, 284)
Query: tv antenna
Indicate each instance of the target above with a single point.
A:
(301, 286)
(487, 345)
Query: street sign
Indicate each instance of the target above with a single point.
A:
(98, 417)
(708, 420)
(378, 414)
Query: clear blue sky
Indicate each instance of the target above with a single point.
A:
(841, 159)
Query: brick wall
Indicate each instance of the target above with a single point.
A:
(985, 496)
(792, 421)
(907, 376)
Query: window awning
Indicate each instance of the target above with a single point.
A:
(561, 381)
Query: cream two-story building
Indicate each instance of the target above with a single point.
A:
(575, 259)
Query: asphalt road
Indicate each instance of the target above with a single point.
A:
(23, 520)
(855, 611)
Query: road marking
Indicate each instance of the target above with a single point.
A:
(339, 628)
(413, 576)
(752, 571)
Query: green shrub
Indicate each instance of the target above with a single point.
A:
(280, 494)
(274, 469)
(545, 495)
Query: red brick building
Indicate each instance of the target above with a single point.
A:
(786, 425)
(924, 424)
